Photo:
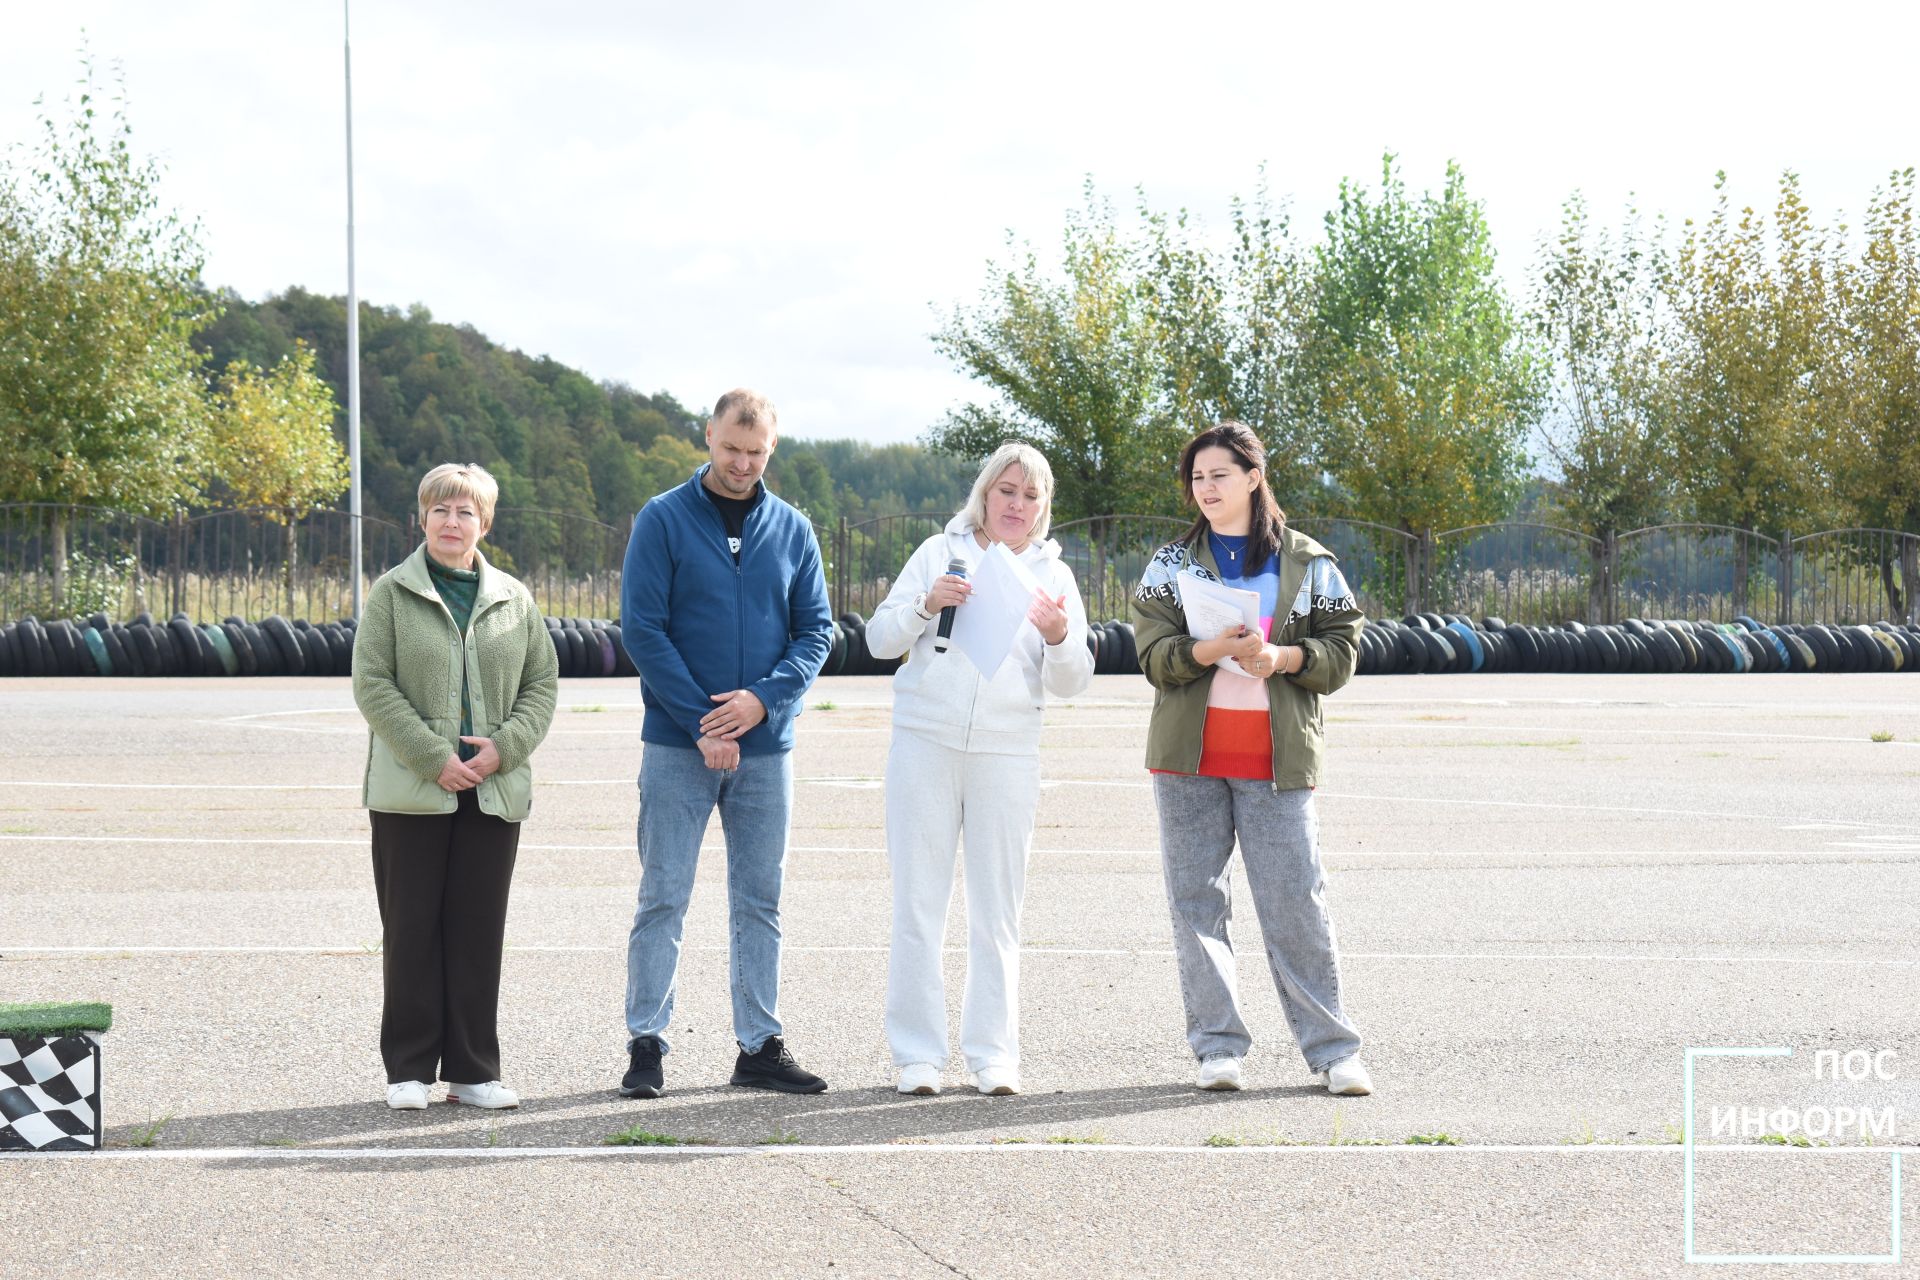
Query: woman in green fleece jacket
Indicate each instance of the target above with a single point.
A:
(454, 671)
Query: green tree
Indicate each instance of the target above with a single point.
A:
(666, 463)
(1873, 440)
(1598, 311)
(1414, 369)
(100, 395)
(1752, 304)
(273, 446)
(1230, 328)
(1075, 367)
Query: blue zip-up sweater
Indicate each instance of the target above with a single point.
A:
(696, 623)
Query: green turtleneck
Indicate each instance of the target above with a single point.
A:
(457, 588)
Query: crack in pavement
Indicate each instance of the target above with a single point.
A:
(872, 1215)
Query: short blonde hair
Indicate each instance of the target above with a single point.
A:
(1014, 453)
(460, 480)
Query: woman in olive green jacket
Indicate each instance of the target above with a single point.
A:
(454, 671)
(1235, 746)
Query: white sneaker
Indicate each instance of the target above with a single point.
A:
(997, 1082)
(1219, 1071)
(492, 1095)
(921, 1079)
(408, 1095)
(1348, 1077)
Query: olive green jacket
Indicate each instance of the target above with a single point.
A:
(408, 661)
(1323, 617)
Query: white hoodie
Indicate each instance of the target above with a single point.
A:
(943, 696)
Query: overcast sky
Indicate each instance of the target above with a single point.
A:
(686, 197)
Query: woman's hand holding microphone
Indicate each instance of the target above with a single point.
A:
(948, 589)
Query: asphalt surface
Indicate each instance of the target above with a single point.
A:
(1546, 888)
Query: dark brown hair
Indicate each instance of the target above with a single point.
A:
(1249, 455)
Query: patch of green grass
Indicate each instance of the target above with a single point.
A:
(1883, 736)
(639, 1137)
(1004, 1142)
(148, 1134)
(1223, 1140)
(780, 1138)
(1788, 1140)
(55, 1018)
(1274, 1138)
(1438, 1138)
(280, 1142)
(19, 831)
(589, 709)
(372, 948)
(1676, 1132)
(1093, 1139)
(825, 704)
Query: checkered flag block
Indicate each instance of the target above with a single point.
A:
(49, 1093)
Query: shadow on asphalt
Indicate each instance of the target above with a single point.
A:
(712, 1115)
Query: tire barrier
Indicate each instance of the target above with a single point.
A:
(1436, 643)
(1425, 643)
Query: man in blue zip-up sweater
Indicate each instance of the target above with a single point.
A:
(724, 612)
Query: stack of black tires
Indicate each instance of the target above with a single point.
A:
(1425, 643)
(1111, 644)
(589, 647)
(96, 646)
(1453, 643)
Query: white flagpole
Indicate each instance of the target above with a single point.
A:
(353, 336)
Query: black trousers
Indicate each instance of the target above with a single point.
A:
(442, 880)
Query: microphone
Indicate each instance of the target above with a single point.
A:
(958, 568)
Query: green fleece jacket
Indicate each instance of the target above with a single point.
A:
(409, 660)
(1324, 618)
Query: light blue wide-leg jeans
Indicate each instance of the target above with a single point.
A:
(1277, 832)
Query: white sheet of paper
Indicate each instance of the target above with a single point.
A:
(1212, 607)
(985, 626)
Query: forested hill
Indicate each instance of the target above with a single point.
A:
(556, 439)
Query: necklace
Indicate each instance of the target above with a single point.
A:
(1228, 543)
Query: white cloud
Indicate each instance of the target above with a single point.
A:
(688, 197)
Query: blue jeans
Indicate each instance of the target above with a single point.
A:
(678, 794)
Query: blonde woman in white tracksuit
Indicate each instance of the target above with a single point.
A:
(965, 758)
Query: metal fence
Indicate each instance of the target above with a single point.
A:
(65, 561)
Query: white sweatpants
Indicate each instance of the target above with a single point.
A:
(935, 795)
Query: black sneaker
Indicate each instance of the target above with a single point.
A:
(643, 1078)
(773, 1067)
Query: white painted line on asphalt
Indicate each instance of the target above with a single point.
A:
(1347, 699)
(354, 730)
(187, 786)
(1064, 1150)
(1594, 808)
(1125, 952)
(1576, 730)
(1844, 851)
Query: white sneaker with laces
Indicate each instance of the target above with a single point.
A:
(1219, 1071)
(920, 1079)
(408, 1095)
(997, 1082)
(1348, 1077)
(493, 1096)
